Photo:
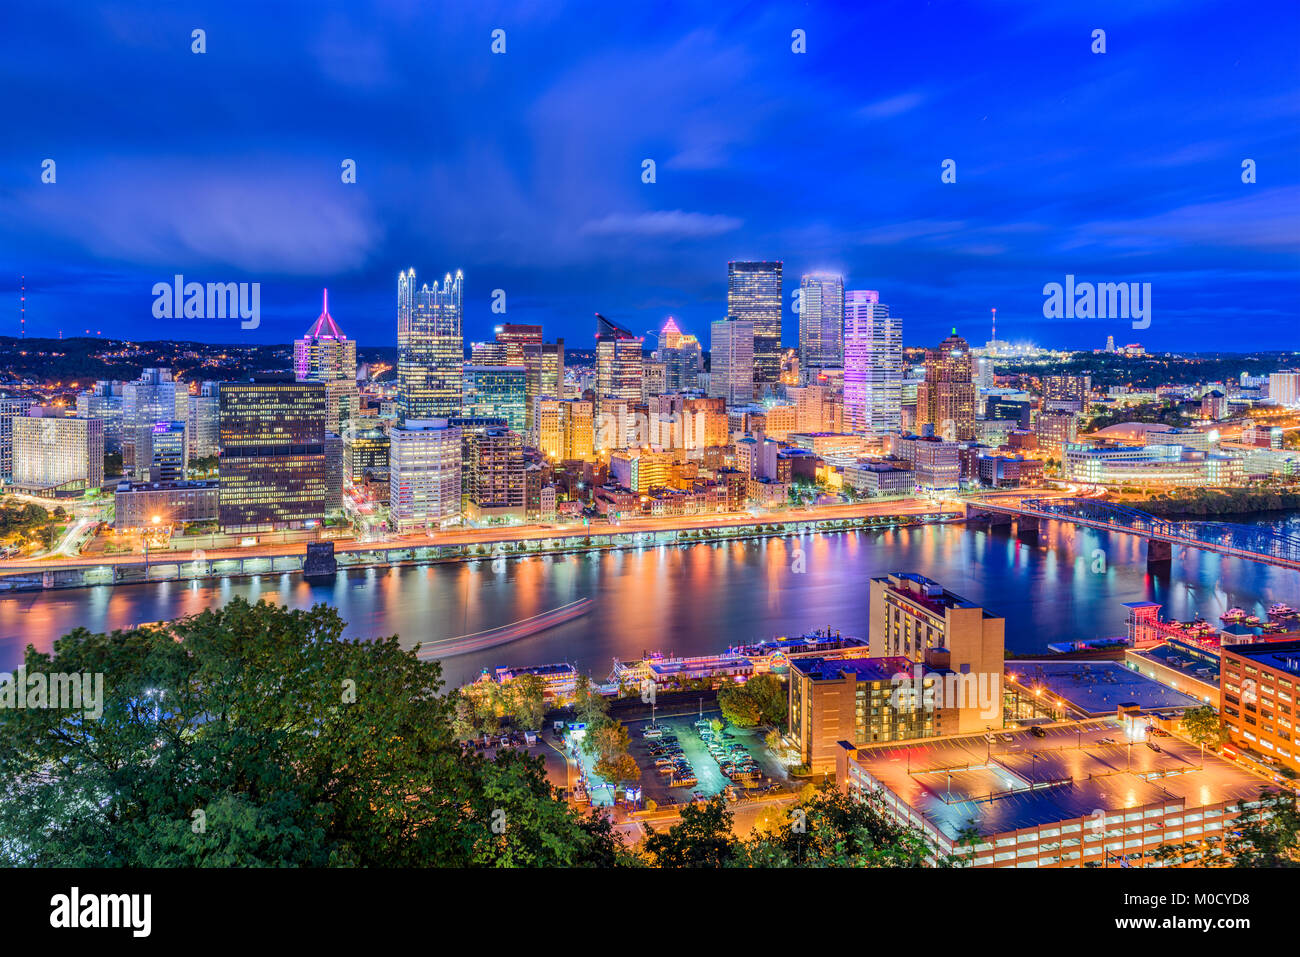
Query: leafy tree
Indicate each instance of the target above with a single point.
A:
(832, 829)
(1203, 726)
(610, 742)
(760, 700)
(1266, 835)
(525, 700)
(703, 838)
(589, 705)
(257, 736)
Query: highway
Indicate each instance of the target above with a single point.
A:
(517, 533)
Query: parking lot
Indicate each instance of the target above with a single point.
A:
(691, 751)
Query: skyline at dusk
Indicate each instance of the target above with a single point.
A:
(524, 169)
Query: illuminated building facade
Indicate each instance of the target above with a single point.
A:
(754, 297)
(274, 473)
(325, 354)
(821, 323)
(499, 391)
(430, 346)
(873, 364)
(424, 474)
(946, 397)
(618, 362)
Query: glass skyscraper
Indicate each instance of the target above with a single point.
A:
(501, 391)
(430, 346)
(754, 296)
(821, 324)
(873, 364)
(618, 362)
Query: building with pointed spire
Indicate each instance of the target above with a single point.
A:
(325, 354)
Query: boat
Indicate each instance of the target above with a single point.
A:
(1233, 614)
(1281, 610)
(1251, 619)
(481, 640)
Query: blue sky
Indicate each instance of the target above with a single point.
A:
(524, 169)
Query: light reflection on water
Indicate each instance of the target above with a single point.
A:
(698, 599)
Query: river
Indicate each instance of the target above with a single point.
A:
(697, 599)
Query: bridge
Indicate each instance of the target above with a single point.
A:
(1269, 546)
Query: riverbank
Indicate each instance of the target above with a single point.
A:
(203, 568)
(1218, 503)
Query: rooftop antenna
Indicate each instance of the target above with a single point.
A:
(22, 307)
(995, 324)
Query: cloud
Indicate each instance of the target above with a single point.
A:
(675, 224)
(891, 106)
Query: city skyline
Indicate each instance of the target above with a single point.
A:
(1058, 171)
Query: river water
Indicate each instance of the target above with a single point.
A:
(698, 599)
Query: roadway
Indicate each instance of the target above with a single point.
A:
(517, 533)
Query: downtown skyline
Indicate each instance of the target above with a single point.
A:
(524, 173)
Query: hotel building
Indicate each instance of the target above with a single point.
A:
(57, 456)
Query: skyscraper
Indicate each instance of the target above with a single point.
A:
(754, 296)
(873, 364)
(430, 346)
(618, 362)
(496, 391)
(273, 460)
(821, 324)
(523, 348)
(424, 473)
(146, 402)
(731, 357)
(325, 354)
(946, 399)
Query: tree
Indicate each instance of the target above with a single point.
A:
(833, 829)
(257, 736)
(589, 705)
(525, 700)
(760, 700)
(703, 838)
(1203, 726)
(610, 742)
(1266, 833)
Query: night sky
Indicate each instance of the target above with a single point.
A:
(524, 170)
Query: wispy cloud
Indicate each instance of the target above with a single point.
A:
(674, 224)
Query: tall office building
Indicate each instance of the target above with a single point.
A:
(497, 391)
(1284, 388)
(424, 474)
(102, 401)
(170, 454)
(274, 473)
(946, 398)
(552, 378)
(13, 407)
(203, 422)
(430, 346)
(565, 429)
(325, 354)
(495, 471)
(54, 456)
(821, 324)
(524, 347)
(873, 364)
(146, 402)
(754, 296)
(731, 358)
(618, 362)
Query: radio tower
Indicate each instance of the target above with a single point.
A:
(22, 307)
(993, 341)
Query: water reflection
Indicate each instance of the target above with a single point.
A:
(697, 599)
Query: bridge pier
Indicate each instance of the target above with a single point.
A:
(1159, 553)
(1029, 529)
(983, 516)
